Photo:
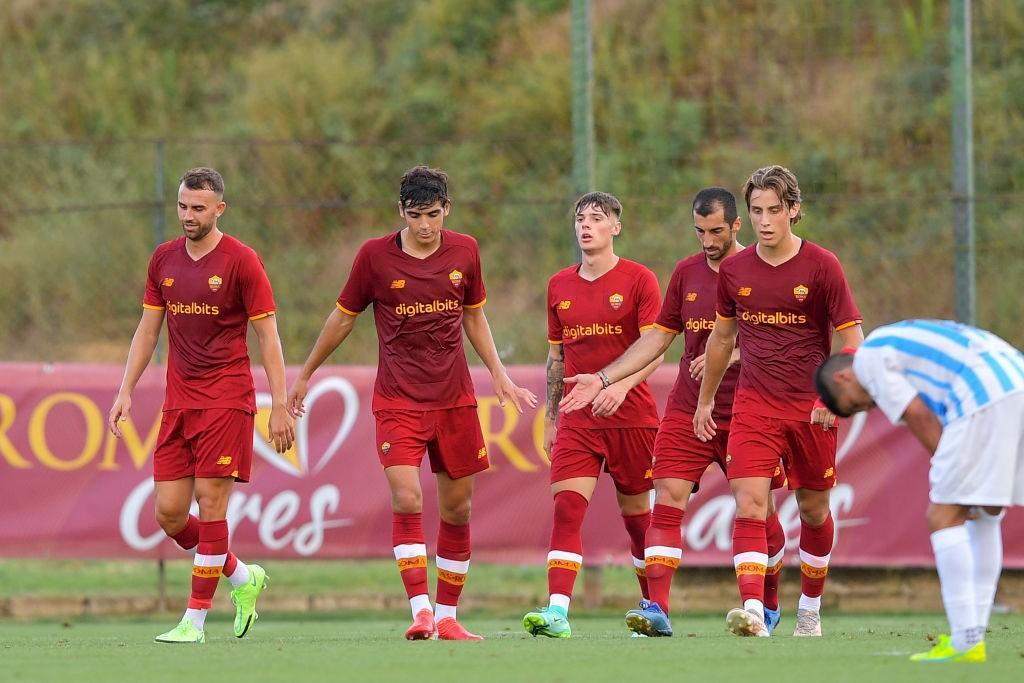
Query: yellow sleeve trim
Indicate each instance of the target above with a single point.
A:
(476, 305)
(153, 308)
(724, 317)
(262, 315)
(346, 311)
(644, 328)
(554, 343)
(849, 324)
(664, 329)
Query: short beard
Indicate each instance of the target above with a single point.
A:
(204, 230)
(726, 248)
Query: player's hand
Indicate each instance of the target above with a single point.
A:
(119, 413)
(697, 367)
(823, 416)
(550, 431)
(507, 390)
(609, 400)
(281, 428)
(703, 425)
(295, 403)
(583, 394)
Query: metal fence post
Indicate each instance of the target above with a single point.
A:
(963, 162)
(582, 102)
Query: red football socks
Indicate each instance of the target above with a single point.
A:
(208, 563)
(815, 551)
(750, 557)
(636, 527)
(566, 555)
(776, 550)
(664, 549)
(411, 554)
(453, 545)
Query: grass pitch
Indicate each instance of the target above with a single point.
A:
(351, 647)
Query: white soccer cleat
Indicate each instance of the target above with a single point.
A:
(808, 623)
(746, 623)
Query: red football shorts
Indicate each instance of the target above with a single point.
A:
(213, 443)
(807, 451)
(626, 454)
(451, 438)
(679, 454)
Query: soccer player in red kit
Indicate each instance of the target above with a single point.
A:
(784, 298)
(213, 286)
(596, 309)
(680, 459)
(426, 287)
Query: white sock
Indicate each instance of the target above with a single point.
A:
(559, 600)
(419, 602)
(986, 537)
(755, 606)
(955, 563)
(444, 611)
(197, 617)
(241, 575)
(813, 604)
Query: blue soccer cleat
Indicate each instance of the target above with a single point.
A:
(772, 617)
(648, 620)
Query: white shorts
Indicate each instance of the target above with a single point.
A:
(980, 458)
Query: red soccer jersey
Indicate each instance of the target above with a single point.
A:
(417, 307)
(690, 307)
(209, 304)
(786, 316)
(595, 322)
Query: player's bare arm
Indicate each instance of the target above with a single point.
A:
(282, 425)
(555, 389)
(697, 364)
(336, 328)
(650, 347)
(923, 423)
(139, 355)
(721, 344)
(612, 396)
(474, 322)
(851, 337)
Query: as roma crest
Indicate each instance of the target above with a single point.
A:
(616, 301)
(456, 277)
(215, 282)
(800, 292)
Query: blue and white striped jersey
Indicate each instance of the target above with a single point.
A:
(956, 369)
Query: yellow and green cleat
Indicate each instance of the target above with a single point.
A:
(244, 599)
(945, 652)
(184, 632)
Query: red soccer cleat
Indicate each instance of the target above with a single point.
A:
(422, 626)
(449, 629)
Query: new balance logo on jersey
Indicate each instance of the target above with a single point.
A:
(194, 308)
(776, 318)
(744, 291)
(699, 324)
(564, 305)
(398, 284)
(595, 330)
(224, 460)
(691, 296)
(168, 282)
(435, 306)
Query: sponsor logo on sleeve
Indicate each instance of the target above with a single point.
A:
(800, 292)
(215, 282)
(616, 301)
(456, 277)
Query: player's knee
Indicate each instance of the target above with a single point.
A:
(456, 513)
(945, 516)
(751, 505)
(814, 515)
(674, 494)
(407, 500)
(171, 521)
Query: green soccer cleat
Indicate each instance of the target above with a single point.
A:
(945, 652)
(547, 622)
(184, 632)
(244, 599)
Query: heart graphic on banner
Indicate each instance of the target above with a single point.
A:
(296, 460)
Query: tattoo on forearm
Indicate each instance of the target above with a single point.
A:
(556, 385)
